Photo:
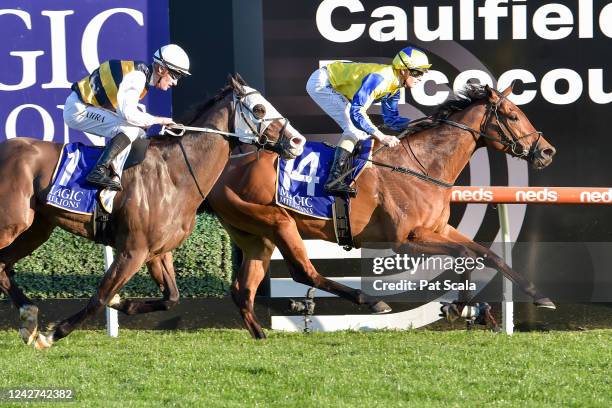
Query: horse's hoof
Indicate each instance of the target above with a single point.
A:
(27, 336)
(29, 323)
(43, 342)
(545, 303)
(380, 307)
(115, 301)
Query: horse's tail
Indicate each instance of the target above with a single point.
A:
(205, 208)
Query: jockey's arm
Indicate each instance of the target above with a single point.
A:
(128, 96)
(390, 112)
(363, 98)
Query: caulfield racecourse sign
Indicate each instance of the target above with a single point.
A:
(545, 20)
(548, 20)
(47, 45)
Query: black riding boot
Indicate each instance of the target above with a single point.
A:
(334, 184)
(101, 175)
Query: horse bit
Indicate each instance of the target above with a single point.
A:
(507, 138)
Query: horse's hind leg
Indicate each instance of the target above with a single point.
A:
(256, 254)
(161, 269)
(21, 247)
(302, 270)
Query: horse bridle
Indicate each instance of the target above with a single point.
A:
(261, 141)
(507, 138)
(258, 128)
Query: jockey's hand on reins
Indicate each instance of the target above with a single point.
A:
(165, 130)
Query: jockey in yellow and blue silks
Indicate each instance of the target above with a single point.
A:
(345, 90)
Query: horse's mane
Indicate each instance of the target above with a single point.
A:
(194, 112)
(198, 109)
(456, 102)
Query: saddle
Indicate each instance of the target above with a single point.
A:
(300, 185)
(70, 191)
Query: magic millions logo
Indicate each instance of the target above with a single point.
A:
(65, 197)
(301, 204)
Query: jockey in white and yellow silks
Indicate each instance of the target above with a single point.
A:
(345, 90)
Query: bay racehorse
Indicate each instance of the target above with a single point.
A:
(408, 213)
(153, 214)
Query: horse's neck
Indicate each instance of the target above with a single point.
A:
(207, 153)
(444, 151)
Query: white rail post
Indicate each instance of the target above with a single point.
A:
(112, 318)
(507, 304)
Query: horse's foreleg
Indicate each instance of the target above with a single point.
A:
(492, 260)
(28, 311)
(256, 254)
(249, 277)
(460, 245)
(21, 247)
(161, 269)
(126, 264)
(302, 271)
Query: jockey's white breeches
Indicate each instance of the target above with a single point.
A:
(100, 122)
(333, 103)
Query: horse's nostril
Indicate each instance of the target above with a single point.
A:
(296, 141)
(549, 152)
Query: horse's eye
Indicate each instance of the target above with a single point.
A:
(513, 117)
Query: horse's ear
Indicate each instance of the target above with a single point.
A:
(509, 89)
(491, 94)
(240, 79)
(236, 86)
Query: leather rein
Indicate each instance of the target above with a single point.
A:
(507, 138)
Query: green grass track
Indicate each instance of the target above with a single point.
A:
(224, 368)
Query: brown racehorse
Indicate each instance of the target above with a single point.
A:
(408, 213)
(152, 215)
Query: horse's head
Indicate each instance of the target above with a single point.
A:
(258, 120)
(506, 128)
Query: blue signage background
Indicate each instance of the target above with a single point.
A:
(49, 44)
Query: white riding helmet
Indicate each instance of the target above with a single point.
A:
(174, 58)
